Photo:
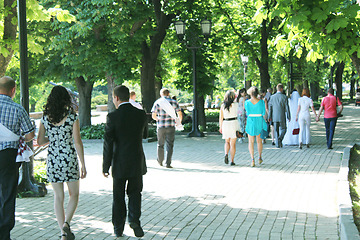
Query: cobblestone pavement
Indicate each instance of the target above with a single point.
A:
(292, 195)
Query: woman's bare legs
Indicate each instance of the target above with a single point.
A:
(259, 147)
(232, 148)
(59, 205)
(227, 146)
(61, 217)
(251, 146)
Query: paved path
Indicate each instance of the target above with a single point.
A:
(292, 195)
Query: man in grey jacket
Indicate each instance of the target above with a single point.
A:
(278, 106)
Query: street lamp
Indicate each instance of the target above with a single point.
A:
(245, 60)
(194, 42)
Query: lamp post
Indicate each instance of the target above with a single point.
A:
(245, 60)
(194, 42)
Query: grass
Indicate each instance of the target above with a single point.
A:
(354, 180)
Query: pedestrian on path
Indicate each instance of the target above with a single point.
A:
(241, 114)
(123, 151)
(229, 124)
(278, 111)
(62, 125)
(290, 138)
(303, 114)
(132, 100)
(14, 119)
(256, 122)
(165, 125)
(329, 104)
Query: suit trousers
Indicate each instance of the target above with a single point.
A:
(165, 135)
(9, 176)
(280, 130)
(330, 124)
(133, 190)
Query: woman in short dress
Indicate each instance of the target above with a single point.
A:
(62, 125)
(255, 110)
(241, 115)
(303, 114)
(229, 124)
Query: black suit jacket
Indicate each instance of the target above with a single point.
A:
(123, 150)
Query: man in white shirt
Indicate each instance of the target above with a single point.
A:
(132, 100)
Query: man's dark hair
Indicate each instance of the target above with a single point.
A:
(331, 91)
(122, 92)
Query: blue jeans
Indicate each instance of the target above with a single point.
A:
(330, 124)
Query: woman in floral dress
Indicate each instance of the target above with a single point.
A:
(61, 124)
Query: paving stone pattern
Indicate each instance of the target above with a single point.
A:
(292, 195)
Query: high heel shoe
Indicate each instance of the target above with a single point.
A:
(260, 160)
(226, 160)
(300, 145)
(69, 234)
(253, 163)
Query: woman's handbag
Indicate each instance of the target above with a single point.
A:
(239, 134)
(264, 134)
(296, 131)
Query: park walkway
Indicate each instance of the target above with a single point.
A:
(292, 195)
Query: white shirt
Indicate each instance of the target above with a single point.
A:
(135, 104)
(305, 103)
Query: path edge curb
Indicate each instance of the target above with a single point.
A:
(348, 229)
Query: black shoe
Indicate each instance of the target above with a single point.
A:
(69, 234)
(169, 166)
(226, 159)
(273, 143)
(232, 164)
(119, 234)
(160, 163)
(330, 148)
(138, 231)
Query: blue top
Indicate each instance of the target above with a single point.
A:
(255, 124)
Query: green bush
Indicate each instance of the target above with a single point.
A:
(99, 100)
(210, 127)
(40, 171)
(93, 132)
(152, 132)
(212, 113)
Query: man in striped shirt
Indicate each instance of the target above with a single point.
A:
(15, 118)
(165, 127)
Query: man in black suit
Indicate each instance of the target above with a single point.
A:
(123, 151)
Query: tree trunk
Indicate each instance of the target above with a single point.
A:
(338, 79)
(147, 78)
(352, 86)
(9, 34)
(314, 90)
(356, 61)
(84, 89)
(110, 84)
(264, 61)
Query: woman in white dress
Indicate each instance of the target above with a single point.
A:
(289, 138)
(229, 124)
(305, 102)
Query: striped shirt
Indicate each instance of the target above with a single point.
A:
(164, 119)
(15, 118)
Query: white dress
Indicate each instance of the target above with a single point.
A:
(229, 127)
(289, 138)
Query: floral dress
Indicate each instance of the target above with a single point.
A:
(241, 115)
(61, 164)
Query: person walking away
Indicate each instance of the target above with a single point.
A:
(278, 110)
(256, 122)
(290, 138)
(303, 114)
(329, 104)
(165, 126)
(262, 97)
(269, 124)
(208, 102)
(228, 125)
(14, 121)
(241, 114)
(123, 151)
(62, 125)
(132, 100)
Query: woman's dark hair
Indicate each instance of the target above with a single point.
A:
(229, 99)
(239, 95)
(293, 90)
(58, 104)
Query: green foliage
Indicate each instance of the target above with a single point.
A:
(212, 113)
(93, 132)
(40, 171)
(152, 132)
(210, 127)
(100, 99)
(354, 181)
